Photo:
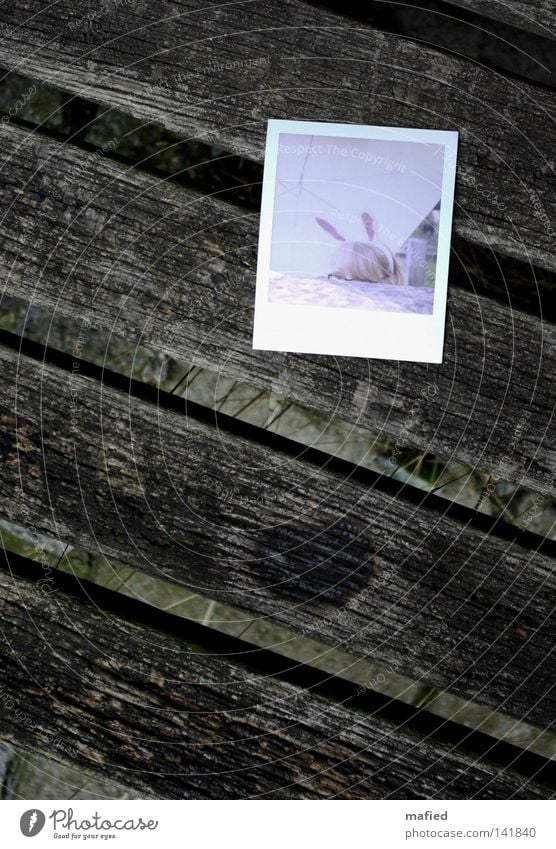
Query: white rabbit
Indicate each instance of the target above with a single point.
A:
(370, 262)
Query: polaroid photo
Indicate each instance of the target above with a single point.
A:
(354, 240)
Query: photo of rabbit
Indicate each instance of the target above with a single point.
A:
(369, 262)
(355, 224)
(354, 240)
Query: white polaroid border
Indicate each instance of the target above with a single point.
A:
(352, 332)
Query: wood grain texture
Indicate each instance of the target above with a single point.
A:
(312, 549)
(218, 72)
(117, 249)
(538, 17)
(153, 711)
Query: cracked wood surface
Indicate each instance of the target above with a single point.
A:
(538, 17)
(305, 545)
(130, 703)
(117, 249)
(292, 60)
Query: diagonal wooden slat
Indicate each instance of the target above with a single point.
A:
(302, 541)
(270, 60)
(142, 705)
(117, 249)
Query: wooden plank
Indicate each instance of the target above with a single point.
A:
(300, 540)
(538, 17)
(220, 71)
(153, 710)
(165, 266)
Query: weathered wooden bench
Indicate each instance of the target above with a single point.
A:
(429, 591)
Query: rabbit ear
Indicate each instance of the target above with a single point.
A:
(329, 229)
(368, 224)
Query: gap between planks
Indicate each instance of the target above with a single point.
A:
(493, 404)
(209, 713)
(385, 79)
(261, 633)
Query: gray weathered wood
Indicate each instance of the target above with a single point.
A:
(538, 17)
(413, 589)
(289, 59)
(151, 710)
(118, 249)
(8, 770)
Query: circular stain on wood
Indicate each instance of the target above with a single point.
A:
(308, 563)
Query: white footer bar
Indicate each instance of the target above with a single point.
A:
(269, 824)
